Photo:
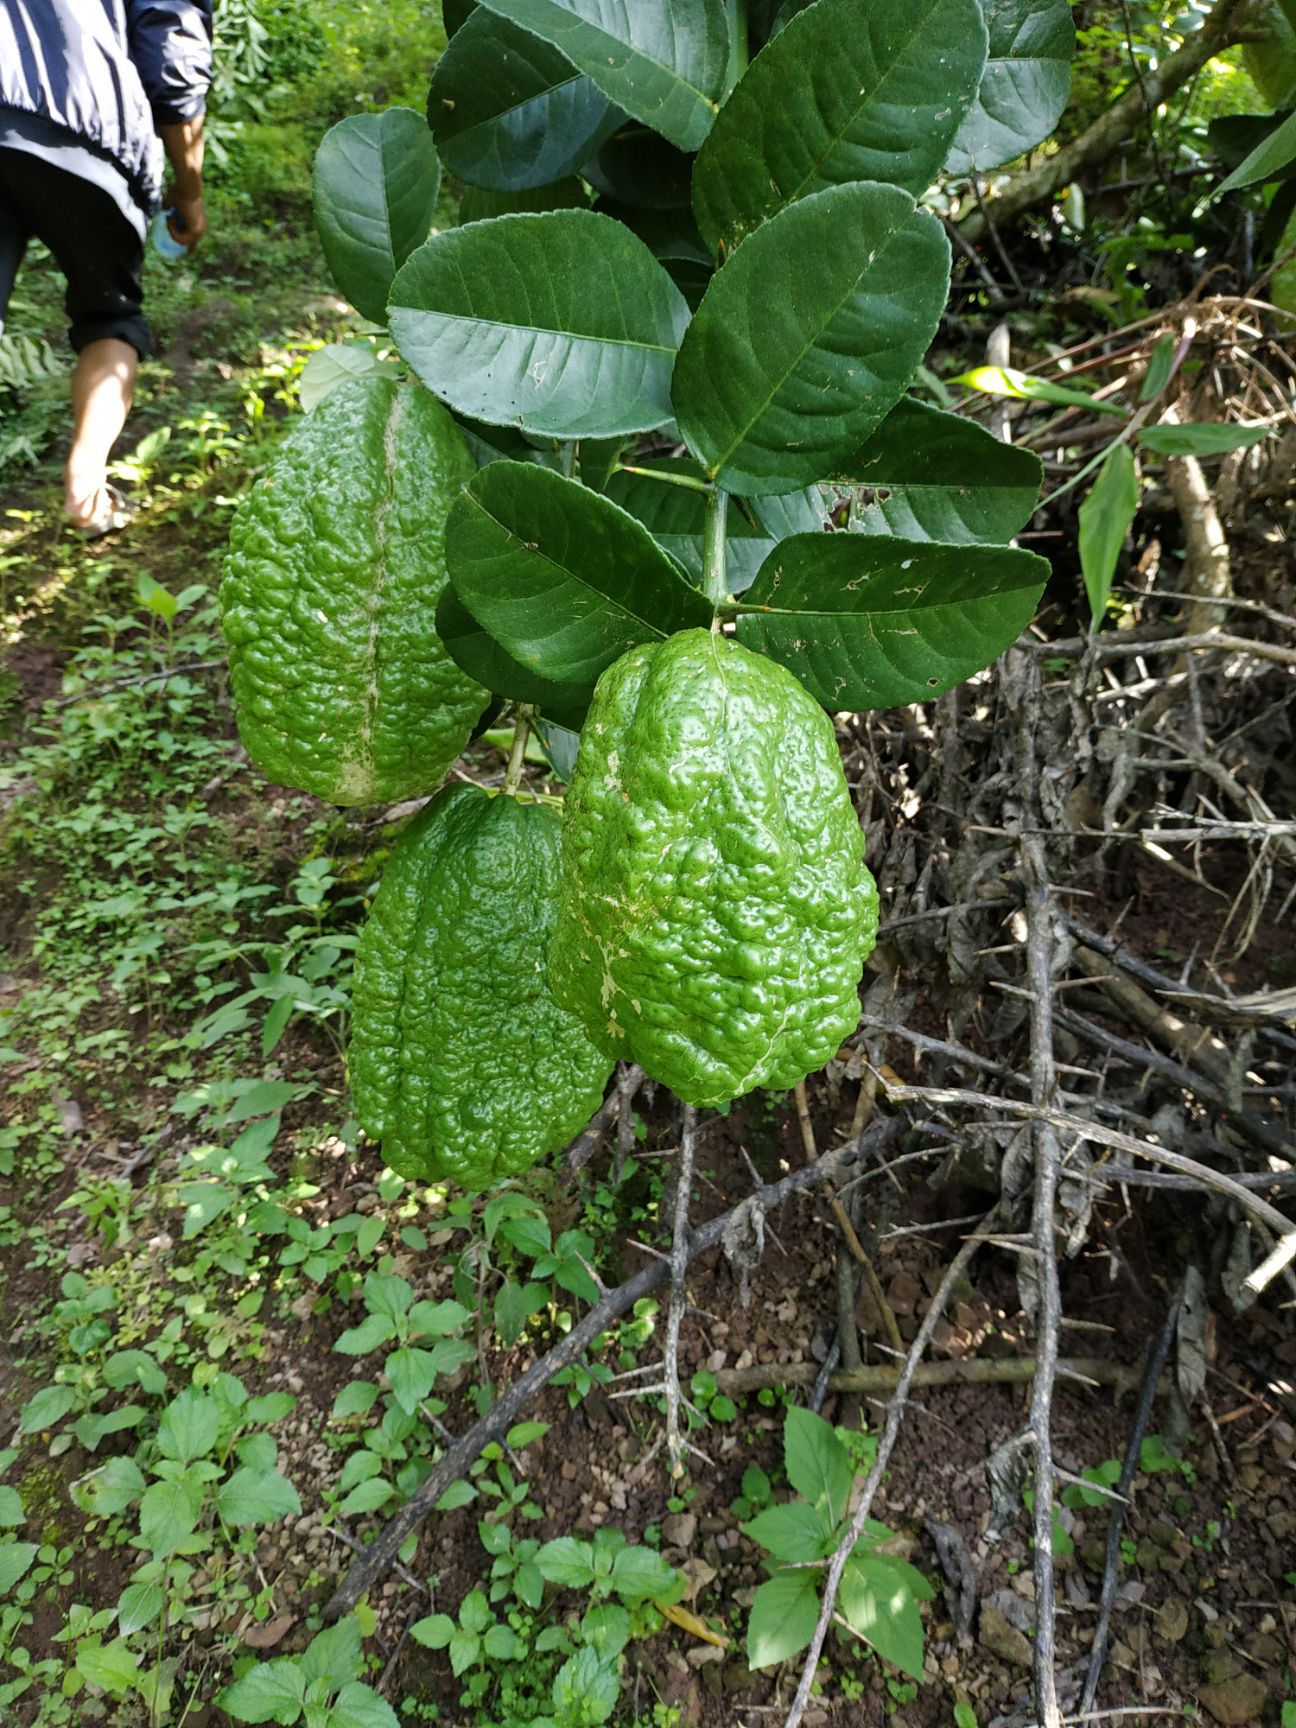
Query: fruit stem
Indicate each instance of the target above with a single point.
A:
(714, 578)
(517, 755)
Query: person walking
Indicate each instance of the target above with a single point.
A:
(92, 93)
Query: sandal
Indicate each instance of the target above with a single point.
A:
(114, 513)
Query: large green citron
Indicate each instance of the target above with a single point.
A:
(715, 913)
(461, 1062)
(336, 563)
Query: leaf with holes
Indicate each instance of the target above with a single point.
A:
(876, 623)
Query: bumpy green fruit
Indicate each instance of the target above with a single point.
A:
(461, 1062)
(336, 563)
(715, 912)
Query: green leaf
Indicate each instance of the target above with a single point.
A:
(410, 1374)
(387, 1294)
(15, 1559)
(437, 1319)
(138, 1606)
(508, 111)
(500, 1644)
(1267, 160)
(783, 1616)
(372, 1332)
(1024, 86)
(359, 1706)
(356, 1398)
(377, 181)
(562, 323)
(566, 1561)
(480, 203)
(868, 622)
(561, 577)
(368, 1496)
(270, 1407)
(818, 1465)
(525, 1434)
(639, 1572)
(1202, 439)
(1026, 387)
(333, 364)
(667, 66)
(134, 1368)
(189, 1426)
(586, 1688)
(481, 657)
(937, 476)
(465, 1648)
(879, 1598)
(262, 1098)
(434, 1632)
(169, 1511)
(115, 1487)
(793, 1532)
(334, 1654)
(11, 1508)
(48, 1407)
(458, 1494)
(1160, 366)
(514, 1306)
(270, 1692)
(257, 1497)
(806, 339)
(1105, 518)
(638, 167)
(845, 93)
(112, 1667)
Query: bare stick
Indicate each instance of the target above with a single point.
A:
(964, 1371)
(886, 1445)
(381, 1553)
(679, 1259)
(1039, 951)
(1116, 1517)
(615, 1108)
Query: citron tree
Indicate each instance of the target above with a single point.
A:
(672, 335)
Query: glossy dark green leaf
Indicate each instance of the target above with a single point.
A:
(510, 111)
(666, 65)
(845, 92)
(502, 444)
(877, 623)
(482, 658)
(456, 13)
(805, 512)
(937, 476)
(1027, 387)
(1024, 87)
(676, 518)
(1234, 137)
(376, 184)
(562, 324)
(806, 338)
(482, 203)
(1105, 518)
(563, 579)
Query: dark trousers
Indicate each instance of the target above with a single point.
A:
(93, 244)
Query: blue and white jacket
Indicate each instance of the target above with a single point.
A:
(103, 75)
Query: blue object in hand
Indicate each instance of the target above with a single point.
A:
(164, 242)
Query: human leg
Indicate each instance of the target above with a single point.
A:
(102, 388)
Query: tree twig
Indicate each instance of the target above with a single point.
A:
(962, 1371)
(382, 1552)
(676, 1444)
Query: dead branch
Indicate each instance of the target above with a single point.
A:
(964, 1371)
(676, 1445)
(1223, 26)
(615, 1108)
(1195, 1044)
(382, 1552)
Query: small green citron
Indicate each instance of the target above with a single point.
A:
(336, 563)
(461, 1062)
(715, 912)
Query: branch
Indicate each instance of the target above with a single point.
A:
(964, 1371)
(382, 1552)
(1223, 26)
